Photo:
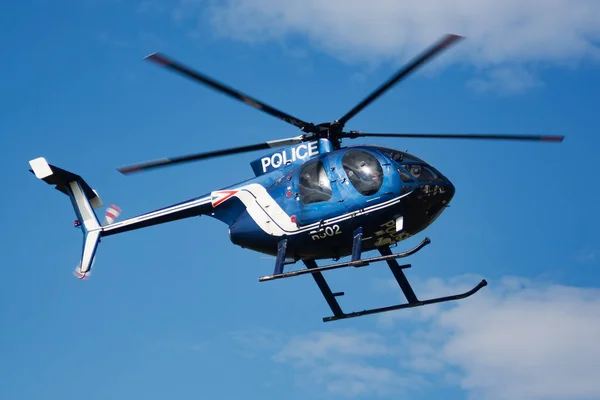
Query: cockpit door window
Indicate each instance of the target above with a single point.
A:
(315, 186)
(364, 171)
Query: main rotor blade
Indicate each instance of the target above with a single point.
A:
(163, 162)
(537, 138)
(163, 60)
(443, 43)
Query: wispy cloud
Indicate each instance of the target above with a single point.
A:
(507, 39)
(346, 363)
(312, 348)
(259, 338)
(517, 339)
(507, 80)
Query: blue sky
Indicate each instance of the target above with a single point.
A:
(177, 311)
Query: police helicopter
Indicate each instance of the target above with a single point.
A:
(310, 200)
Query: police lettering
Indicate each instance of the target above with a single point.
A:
(388, 234)
(300, 152)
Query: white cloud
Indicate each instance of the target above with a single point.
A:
(346, 363)
(501, 35)
(514, 340)
(527, 342)
(325, 345)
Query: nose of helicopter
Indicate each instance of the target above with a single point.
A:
(435, 197)
(426, 204)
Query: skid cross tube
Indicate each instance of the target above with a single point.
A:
(357, 263)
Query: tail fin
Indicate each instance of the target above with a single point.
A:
(84, 200)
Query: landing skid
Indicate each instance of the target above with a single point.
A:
(387, 256)
(357, 263)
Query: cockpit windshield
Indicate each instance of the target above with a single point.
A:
(421, 172)
(412, 168)
(400, 156)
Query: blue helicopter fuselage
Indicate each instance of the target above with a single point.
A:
(317, 198)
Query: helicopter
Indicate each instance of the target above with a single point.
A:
(310, 200)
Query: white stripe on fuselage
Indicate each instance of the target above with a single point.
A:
(273, 220)
(265, 211)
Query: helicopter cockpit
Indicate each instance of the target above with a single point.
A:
(412, 169)
(365, 174)
(363, 170)
(318, 193)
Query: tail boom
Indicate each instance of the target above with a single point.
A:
(187, 209)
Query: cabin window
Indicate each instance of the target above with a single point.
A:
(364, 171)
(314, 184)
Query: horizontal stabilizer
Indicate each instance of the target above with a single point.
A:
(60, 178)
